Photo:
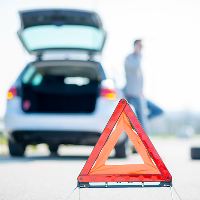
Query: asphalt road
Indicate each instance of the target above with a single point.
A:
(40, 175)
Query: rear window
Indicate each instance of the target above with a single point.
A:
(66, 36)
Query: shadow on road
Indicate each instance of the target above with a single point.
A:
(54, 157)
(51, 157)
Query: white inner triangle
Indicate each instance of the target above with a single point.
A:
(133, 158)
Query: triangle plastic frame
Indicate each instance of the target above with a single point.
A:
(123, 107)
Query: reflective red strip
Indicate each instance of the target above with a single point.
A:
(121, 178)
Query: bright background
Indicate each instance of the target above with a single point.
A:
(169, 28)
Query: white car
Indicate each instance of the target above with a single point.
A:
(62, 100)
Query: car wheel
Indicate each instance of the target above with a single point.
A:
(123, 149)
(195, 152)
(16, 148)
(53, 148)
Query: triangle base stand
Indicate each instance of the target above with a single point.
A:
(81, 185)
(119, 185)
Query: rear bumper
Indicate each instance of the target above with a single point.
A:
(15, 119)
(57, 137)
(91, 123)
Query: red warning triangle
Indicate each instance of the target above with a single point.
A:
(153, 169)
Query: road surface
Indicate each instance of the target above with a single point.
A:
(40, 175)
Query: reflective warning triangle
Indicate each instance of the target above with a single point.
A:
(153, 169)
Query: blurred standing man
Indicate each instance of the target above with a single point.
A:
(134, 86)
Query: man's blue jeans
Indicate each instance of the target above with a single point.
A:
(145, 110)
(154, 110)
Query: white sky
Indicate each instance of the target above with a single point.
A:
(171, 33)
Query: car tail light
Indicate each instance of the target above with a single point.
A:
(108, 90)
(12, 93)
(108, 93)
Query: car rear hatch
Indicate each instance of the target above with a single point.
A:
(61, 29)
(61, 87)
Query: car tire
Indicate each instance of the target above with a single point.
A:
(123, 149)
(53, 148)
(195, 152)
(16, 148)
